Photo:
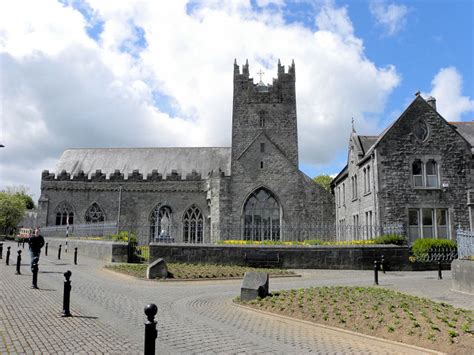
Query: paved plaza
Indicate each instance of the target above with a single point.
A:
(193, 317)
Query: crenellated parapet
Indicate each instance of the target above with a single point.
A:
(118, 176)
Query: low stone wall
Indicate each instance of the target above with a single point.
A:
(314, 257)
(463, 275)
(103, 250)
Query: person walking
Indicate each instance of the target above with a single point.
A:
(36, 242)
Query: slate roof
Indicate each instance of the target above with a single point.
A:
(183, 160)
(366, 142)
(465, 129)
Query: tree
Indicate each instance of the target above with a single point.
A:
(22, 193)
(323, 180)
(12, 209)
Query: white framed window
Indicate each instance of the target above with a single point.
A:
(428, 223)
(425, 174)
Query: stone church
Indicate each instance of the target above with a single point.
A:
(417, 174)
(252, 190)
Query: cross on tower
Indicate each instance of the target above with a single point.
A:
(260, 73)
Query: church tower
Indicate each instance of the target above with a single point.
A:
(269, 110)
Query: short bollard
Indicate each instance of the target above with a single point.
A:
(46, 249)
(67, 295)
(8, 256)
(18, 263)
(65, 248)
(18, 243)
(376, 272)
(23, 244)
(34, 269)
(150, 329)
(59, 252)
(382, 264)
(1, 250)
(75, 256)
(440, 273)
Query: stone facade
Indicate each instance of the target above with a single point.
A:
(417, 175)
(206, 194)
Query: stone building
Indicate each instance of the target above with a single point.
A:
(418, 174)
(251, 190)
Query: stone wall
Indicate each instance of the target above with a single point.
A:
(104, 250)
(400, 148)
(317, 257)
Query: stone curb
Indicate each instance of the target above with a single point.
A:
(317, 325)
(187, 280)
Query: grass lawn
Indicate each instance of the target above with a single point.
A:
(378, 312)
(196, 271)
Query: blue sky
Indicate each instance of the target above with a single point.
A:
(89, 73)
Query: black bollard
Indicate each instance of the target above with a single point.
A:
(59, 252)
(150, 329)
(46, 249)
(382, 264)
(34, 269)
(1, 250)
(18, 263)
(65, 249)
(8, 256)
(67, 295)
(23, 244)
(75, 256)
(18, 243)
(440, 274)
(376, 272)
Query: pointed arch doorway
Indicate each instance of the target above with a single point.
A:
(262, 216)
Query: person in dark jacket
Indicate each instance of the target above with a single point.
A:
(36, 242)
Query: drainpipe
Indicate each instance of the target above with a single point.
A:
(119, 206)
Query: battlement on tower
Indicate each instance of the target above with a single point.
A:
(282, 88)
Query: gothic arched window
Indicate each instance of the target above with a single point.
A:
(261, 216)
(94, 214)
(193, 225)
(160, 223)
(64, 214)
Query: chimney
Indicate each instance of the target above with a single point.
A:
(432, 102)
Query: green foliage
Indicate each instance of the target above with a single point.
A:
(421, 246)
(391, 239)
(123, 237)
(12, 209)
(22, 193)
(324, 180)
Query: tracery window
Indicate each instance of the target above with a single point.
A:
(94, 214)
(64, 214)
(160, 223)
(193, 225)
(261, 216)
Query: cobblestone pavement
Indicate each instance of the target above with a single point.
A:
(193, 317)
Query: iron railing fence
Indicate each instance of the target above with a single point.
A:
(202, 233)
(323, 232)
(441, 254)
(80, 230)
(465, 242)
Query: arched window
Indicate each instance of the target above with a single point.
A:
(261, 216)
(64, 214)
(193, 225)
(160, 223)
(94, 214)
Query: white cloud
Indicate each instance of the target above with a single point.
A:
(446, 88)
(62, 89)
(391, 17)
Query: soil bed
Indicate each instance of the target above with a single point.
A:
(196, 271)
(378, 312)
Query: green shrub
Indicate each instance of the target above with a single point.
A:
(123, 237)
(314, 241)
(421, 247)
(391, 239)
